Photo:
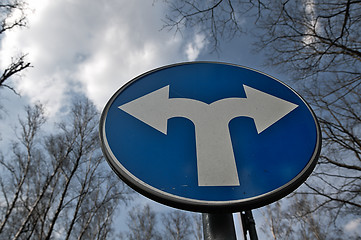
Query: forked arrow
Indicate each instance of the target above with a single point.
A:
(215, 157)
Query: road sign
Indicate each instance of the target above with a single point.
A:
(208, 136)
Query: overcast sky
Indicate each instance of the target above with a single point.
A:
(92, 47)
(95, 47)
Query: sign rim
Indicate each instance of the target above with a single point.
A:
(203, 205)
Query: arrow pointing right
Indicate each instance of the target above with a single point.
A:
(266, 109)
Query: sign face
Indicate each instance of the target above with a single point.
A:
(208, 136)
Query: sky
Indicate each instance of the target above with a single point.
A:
(92, 48)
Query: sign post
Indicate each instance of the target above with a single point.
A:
(210, 137)
(249, 225)
(218, 226)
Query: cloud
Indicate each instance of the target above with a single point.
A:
(124, 51)
(194, 48)
(353, 225)
(311, 22)
(91, 48)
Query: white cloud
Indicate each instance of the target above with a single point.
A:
(91, 47)
(195, 47)
(309, 6)
(311, 22)
(125, 51)
(353, 225)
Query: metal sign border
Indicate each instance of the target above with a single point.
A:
(201, 205)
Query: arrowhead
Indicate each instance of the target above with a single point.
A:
(151, 109)
(266, 109)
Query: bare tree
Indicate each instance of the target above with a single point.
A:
(146, 224)
(142, 224)
(218, 19)
(177, 225)
(318, 43)
(58, 185)
(276, 224)
(8, 8)
(295, 219)
(197, 226)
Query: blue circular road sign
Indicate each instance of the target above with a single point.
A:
(210, 137)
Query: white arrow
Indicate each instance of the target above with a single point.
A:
(215, 157)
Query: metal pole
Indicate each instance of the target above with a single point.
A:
(218, 226)
(249, 225)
